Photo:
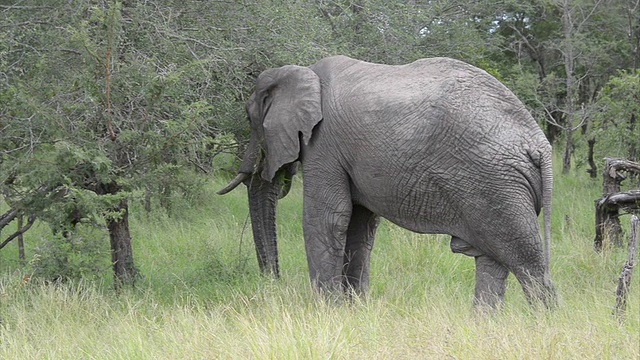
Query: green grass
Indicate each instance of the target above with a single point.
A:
(202, 297)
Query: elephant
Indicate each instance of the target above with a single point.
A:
(436, 146)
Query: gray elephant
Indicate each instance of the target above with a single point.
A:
(436, 146)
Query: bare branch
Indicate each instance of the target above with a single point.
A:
(199, 42)
(7, 217)
(550, 118)
(20, 231)
(23, 7)
(582, 121)
(586, 18)
(326, 15)
(523, 37)
(199, 166)
(27, 23)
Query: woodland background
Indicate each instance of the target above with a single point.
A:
(119, 119)
(107, 101)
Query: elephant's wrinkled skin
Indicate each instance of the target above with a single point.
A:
(436, 146)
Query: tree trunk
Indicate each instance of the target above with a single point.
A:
(568, 151)
(147, 201)
(567, 24)
(632, 147)
(357, 8)
(125, 272)
(607, 224)
(593, 168)
(633, 33)
(21, 240)
(552, 130)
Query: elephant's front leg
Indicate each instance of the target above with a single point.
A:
(327, 213)
(357, 254)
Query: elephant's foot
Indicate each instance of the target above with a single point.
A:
(491, 283)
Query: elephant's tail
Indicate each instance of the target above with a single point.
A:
(546, 169)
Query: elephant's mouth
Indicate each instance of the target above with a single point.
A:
(283, 180)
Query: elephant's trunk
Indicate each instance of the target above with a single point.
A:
(263, 197)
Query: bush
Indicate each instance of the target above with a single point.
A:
(83, 255)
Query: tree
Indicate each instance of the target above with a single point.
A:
(616, 122)
(572, 46)
(105, 100)
(92, 114)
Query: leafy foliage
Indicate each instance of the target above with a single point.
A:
(617, 123)
(79, 257)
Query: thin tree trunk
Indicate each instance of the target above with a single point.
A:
(21, 240)
(593, 168)
(553, 131)
(567, 24)
(633, 33)
(20, 231)
(125, 272)
(357, 7)
(568, 151)
(632, 147)
(147, 200)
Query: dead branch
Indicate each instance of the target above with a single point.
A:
(613, 201)
(20, 231)
(624, 282)
(7, 217)
(23, 7)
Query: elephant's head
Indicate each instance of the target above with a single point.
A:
(283, 111)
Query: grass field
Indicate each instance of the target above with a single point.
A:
(201, 296)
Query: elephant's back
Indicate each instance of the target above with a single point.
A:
(436, 91)
(439, 105)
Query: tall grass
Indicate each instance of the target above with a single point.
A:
(202, 297)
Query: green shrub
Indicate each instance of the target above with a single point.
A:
(84, 254)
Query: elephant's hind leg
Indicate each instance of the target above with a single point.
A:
(537, 286)
(357, 254)
(524, 257)
(491, 282)
(491, 276)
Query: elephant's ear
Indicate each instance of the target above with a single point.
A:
(291, 105)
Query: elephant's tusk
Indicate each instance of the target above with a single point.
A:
(234, 183)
